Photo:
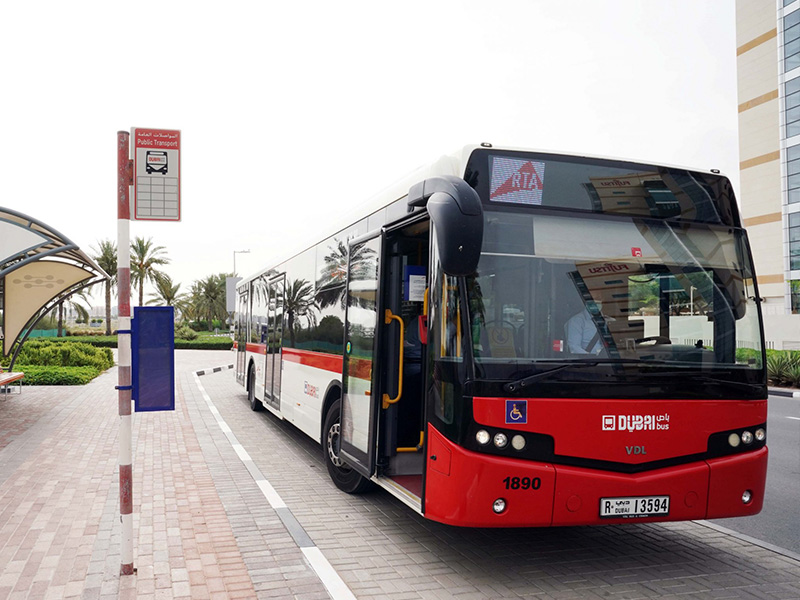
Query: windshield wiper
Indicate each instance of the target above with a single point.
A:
(514, 386)
(698, 376)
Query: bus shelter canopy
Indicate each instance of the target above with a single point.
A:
(39, 267)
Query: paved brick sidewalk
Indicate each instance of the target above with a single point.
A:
(382, 550)
(59, 525)
(204, 529)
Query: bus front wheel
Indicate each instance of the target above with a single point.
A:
(345, 478)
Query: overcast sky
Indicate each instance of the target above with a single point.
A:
(294, 112)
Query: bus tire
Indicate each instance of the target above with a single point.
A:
(344, 477)
(255, 403)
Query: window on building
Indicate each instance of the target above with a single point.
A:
(794, 240)
(791, 41)
(792, 102)
(795, 289)
(793, 173)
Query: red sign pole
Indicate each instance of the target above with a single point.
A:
(124, 181)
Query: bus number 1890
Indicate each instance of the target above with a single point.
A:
(522, 483)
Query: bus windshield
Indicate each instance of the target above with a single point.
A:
(559, 288)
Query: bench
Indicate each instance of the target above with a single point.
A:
(6, 379)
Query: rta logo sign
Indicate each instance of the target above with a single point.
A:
(609, 423)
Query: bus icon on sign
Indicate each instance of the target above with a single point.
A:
(156, 162)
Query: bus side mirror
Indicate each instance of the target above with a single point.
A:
(457, 216)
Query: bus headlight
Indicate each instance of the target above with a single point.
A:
(747, 496)
(499, 506)
(518, 442)
(500, 440)
(734, 440)
(747, 437)
(761, 434)
(483, 437)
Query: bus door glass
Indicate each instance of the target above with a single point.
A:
(241, 336)
(362, 322)
(272, 371)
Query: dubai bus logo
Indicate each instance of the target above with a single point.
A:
(633, 423)
(156, 162)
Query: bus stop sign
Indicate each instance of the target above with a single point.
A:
(156, 174)
(153, 354)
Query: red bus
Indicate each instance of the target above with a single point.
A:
(518, 338)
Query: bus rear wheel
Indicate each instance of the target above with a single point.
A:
(343, 476)
(255, 404)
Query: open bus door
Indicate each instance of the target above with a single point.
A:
(241, 336)
(380, 427)
(382, 422)
(272, 366)
(359, 377)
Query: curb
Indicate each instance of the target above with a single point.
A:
(750, 540)
(783, 392)
(214, 370)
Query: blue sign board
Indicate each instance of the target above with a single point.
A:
(153, 358)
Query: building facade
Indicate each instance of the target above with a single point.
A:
(768, 66)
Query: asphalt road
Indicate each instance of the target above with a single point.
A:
(779, 521)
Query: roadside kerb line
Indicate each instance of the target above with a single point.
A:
(336, 587)
(750, 540)
(784, 392)
(214, 370)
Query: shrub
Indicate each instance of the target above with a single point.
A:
(746, 355)
(185, 333)
(96, 339)
(205, 343)
(781, 367)
(47, 375)
(46, 352)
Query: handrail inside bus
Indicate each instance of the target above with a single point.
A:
(388, 318)
(416, 448)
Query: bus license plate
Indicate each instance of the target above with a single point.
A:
(643, 506)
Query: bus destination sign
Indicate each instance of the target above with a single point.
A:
(156, 174)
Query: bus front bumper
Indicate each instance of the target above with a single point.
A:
(466, 488)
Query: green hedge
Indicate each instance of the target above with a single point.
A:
(98, 341)
(201, 343)
(48, 375)
(45, 352)
(205, 343)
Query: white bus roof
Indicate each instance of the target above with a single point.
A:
(448, 164)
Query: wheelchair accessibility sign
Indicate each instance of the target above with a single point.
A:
(516, 412)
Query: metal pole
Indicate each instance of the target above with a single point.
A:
(124, 180)
(235, 252)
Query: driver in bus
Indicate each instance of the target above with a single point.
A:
(583, 336)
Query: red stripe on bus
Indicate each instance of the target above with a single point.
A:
(256, 348)
(318, 360)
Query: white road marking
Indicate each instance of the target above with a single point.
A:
(335, 585)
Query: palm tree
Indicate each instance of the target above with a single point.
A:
(106, 258)
(166, 292)
(331, 283)
(208, 298)
(83, 312)
(145, 257)
(299, 302)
